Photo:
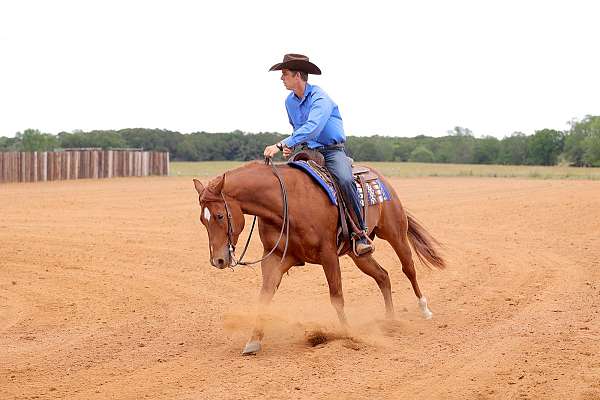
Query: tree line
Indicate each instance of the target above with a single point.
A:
(578, 146)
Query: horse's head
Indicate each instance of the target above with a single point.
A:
(223, 219)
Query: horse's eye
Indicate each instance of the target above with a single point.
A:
(219, 216)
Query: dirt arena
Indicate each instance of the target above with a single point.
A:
(106, 292)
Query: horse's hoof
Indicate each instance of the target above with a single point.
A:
(427, 314)
(251, 348)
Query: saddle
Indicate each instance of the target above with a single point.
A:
(316, 157)
(371, 191)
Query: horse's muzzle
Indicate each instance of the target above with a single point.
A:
(221, 262)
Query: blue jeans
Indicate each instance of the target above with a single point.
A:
(338, 164)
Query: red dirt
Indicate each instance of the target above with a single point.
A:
(106, 292)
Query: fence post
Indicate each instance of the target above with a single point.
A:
(41, 166)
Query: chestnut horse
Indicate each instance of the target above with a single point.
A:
(254, 189)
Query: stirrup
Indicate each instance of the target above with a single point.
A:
(355, 239)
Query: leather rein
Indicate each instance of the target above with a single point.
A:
(285, 226)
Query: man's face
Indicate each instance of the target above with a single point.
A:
(290, 79)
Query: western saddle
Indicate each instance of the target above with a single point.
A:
(349, 228)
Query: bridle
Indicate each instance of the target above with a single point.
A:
(285, 226)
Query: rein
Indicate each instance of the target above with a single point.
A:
(285, 226)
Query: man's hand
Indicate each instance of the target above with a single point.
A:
(270, 151)
(287, 151)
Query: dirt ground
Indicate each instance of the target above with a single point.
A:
(106, 292)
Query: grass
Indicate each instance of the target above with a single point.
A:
(203, 169)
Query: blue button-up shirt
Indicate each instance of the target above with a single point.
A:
(315, 118)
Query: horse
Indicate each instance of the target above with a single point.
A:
(312, 220)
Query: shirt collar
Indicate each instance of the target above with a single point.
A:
(307, 90)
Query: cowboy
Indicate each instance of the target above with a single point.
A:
(318, 125)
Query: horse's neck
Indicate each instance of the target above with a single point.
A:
(256, 189)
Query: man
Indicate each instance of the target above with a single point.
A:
(317, 124)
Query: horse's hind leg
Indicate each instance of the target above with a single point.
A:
(402, 249)
(272, 272)
(371, 267)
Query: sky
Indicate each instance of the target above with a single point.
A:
(397, 68)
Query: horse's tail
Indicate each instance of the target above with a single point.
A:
(424, 244)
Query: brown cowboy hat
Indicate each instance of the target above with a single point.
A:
(297, 62)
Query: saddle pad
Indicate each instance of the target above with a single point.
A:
(376, 190)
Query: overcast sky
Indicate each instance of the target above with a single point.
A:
(394, 68)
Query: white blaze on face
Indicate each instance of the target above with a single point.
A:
(206, 214)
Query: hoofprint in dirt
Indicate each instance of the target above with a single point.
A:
(106, 292)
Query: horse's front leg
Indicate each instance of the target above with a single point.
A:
(331, 266)
(272, 271)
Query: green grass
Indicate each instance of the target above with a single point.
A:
(202, 169)
(205, 169)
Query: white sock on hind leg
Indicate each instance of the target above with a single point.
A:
(427, 314)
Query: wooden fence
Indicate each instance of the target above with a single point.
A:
(80, 164)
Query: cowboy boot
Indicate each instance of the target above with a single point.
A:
(363, 246)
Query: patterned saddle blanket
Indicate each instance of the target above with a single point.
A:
(375, 188)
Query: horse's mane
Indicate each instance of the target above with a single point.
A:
(214, 187)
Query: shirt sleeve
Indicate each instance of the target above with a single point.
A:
(289, 116)
(319, 114)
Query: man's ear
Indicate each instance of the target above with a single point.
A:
(198, 186)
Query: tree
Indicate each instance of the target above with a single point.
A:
(402, 149)
(458, 148)
(513, 149)
(575, 148)
(421, 154)
(34, 140)
(9, 144)
(102, 139)
(544, 147)
(486, 150)
(460, 131)
(582, 142)
(368, 151)
(151, 139)
(592, 142)
(580, 145)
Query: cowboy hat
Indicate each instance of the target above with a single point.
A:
(297, 62)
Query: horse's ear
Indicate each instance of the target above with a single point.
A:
(199, 187)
